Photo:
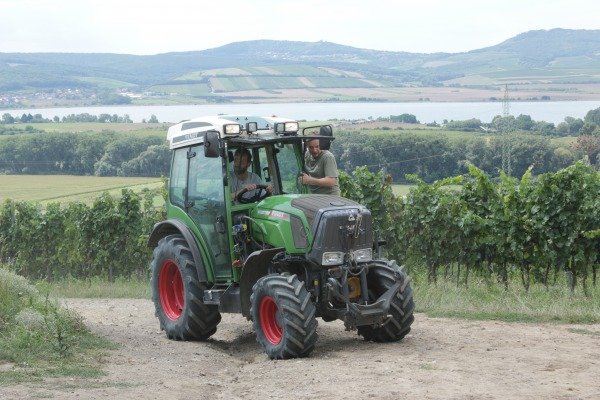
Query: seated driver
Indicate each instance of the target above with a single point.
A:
(242, 178)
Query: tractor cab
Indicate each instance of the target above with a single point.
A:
(203, 179)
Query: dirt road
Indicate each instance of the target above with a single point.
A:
(439, 359)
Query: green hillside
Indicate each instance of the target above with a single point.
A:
(557, 56)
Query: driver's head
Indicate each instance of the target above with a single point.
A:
(241, 161)
(314, 147)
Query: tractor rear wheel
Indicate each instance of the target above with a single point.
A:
(381, 276)
(283, 316)
(177, 293)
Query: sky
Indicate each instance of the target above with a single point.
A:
(154, 27)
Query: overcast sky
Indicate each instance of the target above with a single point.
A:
(152, 27)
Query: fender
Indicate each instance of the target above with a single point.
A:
(256, 266)
(171, 227)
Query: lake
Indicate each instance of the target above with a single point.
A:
(549, 111)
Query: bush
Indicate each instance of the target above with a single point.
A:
(34, 327)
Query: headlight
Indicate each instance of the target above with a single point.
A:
(231, 129)
(363, 255)
(286, 128)
(332, 258)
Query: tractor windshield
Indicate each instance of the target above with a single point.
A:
(274, 164)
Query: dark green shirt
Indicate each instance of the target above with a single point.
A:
(324, 165)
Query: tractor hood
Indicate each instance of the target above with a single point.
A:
(314, 224)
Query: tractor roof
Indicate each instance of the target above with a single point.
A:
(234, 127)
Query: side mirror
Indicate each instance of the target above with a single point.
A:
(326, 131)
(211, 144)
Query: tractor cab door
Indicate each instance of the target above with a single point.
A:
(206, 206)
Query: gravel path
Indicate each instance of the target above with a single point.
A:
(439, 359)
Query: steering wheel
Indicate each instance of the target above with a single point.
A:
(261, 193)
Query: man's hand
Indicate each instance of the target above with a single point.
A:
(304, 179)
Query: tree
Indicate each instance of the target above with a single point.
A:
(590, 146)
(8, 119)
(406, 118)
(589, 128)
(575, 124)
(524, 122)
(153, 119)
(545, 128)
(593, 116)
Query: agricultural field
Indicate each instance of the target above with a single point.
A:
(143, 129)
(67, 188)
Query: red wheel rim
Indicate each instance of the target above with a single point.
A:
(268, 320)
(170, 288)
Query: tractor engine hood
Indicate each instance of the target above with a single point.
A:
(316, 225)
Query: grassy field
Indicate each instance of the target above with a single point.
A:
(480, 301)
(145, 129)
(401, 190)
(66, 188)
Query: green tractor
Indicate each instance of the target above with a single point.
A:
(281, 258)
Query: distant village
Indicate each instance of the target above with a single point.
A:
(68, 97)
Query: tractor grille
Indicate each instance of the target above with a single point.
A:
(342, 229)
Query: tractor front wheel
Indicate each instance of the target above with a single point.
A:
(283, 316)
(381, 276)
(177, 293)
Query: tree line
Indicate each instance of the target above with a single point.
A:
(105, 154)
(430, 154)
(434, 155)
(8, 119)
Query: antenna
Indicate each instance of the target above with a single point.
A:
(506, 103)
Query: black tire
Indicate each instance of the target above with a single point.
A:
(177, 293)
(283, 316)
(383, 275)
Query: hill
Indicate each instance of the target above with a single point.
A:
(560, 61)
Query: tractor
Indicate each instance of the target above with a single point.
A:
(282, 257)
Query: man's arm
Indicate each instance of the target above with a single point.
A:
(327, 181)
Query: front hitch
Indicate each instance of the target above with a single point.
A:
(355, 314)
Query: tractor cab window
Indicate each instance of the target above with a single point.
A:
(289, 168)
(177, 183)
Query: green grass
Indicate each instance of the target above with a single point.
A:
(401, 190)
(97, 288)
(478, 301)
(67, 188)
(40, 339)
(200, 89)
(484, 301)
(144, 129)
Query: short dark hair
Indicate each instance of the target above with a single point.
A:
(243, 151)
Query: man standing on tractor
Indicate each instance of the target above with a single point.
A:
(321, 174)
(242, 178)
